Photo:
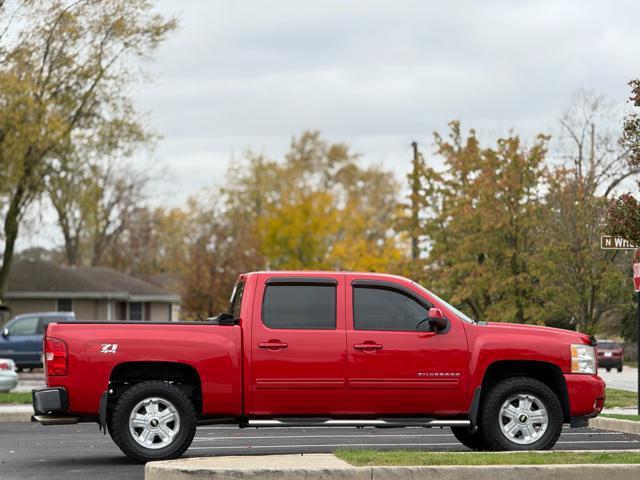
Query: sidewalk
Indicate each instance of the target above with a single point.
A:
(15, 413)
(328, 467)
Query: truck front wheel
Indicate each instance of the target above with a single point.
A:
(153, 420)
(521, 413)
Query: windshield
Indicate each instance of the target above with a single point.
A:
(608, 346)
(460, 314)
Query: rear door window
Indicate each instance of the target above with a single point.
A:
(311, 307)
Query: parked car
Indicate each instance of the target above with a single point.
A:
(321, 349)
(8, 375)
(610, 355)
(21, 338)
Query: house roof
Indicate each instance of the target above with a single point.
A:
(43, 279)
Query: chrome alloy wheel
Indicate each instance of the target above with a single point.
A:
(523, 419)
(154, 423)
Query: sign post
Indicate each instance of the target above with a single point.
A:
(636, 285)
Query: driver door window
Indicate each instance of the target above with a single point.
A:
(24, 326)
(381, 309)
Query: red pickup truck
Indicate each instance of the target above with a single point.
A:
(320, 349)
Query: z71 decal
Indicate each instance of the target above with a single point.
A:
(109, 348)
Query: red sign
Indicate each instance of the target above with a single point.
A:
(636, 270)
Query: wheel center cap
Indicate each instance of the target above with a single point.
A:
(154, 422)
(522, 418)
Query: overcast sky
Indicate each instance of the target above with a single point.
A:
(376, 74)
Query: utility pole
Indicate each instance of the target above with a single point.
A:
(415, 207)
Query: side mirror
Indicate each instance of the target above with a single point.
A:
(5, 332)
(437, 321)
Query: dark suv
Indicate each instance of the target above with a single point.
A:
(21, 338)
(610, 355)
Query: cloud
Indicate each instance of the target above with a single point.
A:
(376, 74)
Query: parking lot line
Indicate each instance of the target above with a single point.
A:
(329, 445)
(364, 435)
(344, 445)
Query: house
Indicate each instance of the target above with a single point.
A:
(92, 293)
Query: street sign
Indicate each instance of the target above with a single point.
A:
(607, 242)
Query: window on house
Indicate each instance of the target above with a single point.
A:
(136, 310)
(65, 305)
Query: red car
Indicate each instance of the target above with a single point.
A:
(610, 355)
(321, 349)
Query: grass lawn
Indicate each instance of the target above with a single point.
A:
(620, 398)
(635, 418)
(631, 364)
(363, 458)
(20, 397)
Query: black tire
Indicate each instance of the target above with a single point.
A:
(119, 421)
(608, 369)
(620, 368)
(474, 441)
(490, 416)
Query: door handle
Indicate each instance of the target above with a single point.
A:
(426, 334)
(367, 346)
(273, 345)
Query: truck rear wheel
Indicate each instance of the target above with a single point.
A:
(472, 440)
(521, 413)
(153, 420)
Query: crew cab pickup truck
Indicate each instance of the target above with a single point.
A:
(320, 349)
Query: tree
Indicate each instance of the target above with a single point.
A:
(64, 71)
(315, 208)
(582, 283)
(221, 245)
(482, 224)
(624, 212)
(328, 212)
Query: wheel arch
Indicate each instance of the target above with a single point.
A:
(547, 373)
(126, 374)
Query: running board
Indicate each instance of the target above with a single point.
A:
(380, 422)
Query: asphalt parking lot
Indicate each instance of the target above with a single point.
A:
(627, 379)
(31, 451)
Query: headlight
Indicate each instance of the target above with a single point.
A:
(583, 359)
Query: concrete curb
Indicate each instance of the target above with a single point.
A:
(271, 467)
(618, 425)
(16, 413)
(324, 466)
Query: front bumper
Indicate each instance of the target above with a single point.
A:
(586, 394)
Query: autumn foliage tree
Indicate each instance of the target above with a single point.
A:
(316, 208)
(482, 225)
(64, 71)
(624, 212)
